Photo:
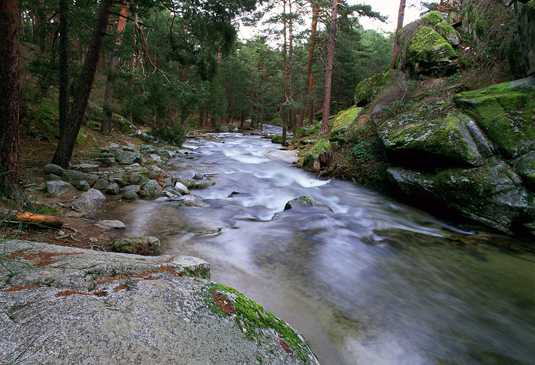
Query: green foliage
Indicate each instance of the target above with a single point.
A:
(170, 133)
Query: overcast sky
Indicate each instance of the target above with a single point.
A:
(384, 7)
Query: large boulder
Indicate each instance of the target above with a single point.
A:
(58, 187)
(423, 51)
(311, 161)
(126, 157)
(152, 189)
(88, 201)
(304, 202)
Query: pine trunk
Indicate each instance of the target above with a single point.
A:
(329, 72)
(310, 75)
(9, 98)
(64, 66)
(401, 15)
(114, 62)
(67, 139)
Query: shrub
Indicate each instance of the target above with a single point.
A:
(170, 133)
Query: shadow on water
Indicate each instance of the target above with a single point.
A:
(373, 282)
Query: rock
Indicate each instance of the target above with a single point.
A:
(155, 158)
(437, 21)
(132, 188)
(52, 177)
(187, 182)
(75, 177)
(181, 188)
(85, 167)
(136, 179)
(137, 245)
(276, 138)
(167, 182)
(492, 195)
(368, 89)
(152, 189)
(311, 160)
(83, 185)
(204, 185)
(339, 126)
(54, 169)
(305, 201)
(147, 149)
(110, 224)
(102, 183)
(125, 157)
(136, 309)
(107, 161)
(58, 187)
(88, 201)
(198, 176)
(113, 189)
(232, 127)
(130, 195)
(506, 114)
(525, 167)
(423, 51)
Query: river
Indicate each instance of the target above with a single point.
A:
(372, 282)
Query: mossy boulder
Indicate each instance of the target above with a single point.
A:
(276, 138)
(152, 189)
(442, 27)
(367, 89)
(311, 160)
(304, 202)
(430, 54)
(430, 136)
(525, 167)
(492, 194)
(505, 112)
(341, 125)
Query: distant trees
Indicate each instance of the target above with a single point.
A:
(9, 98)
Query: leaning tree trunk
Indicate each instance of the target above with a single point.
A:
(329, 72)
(67, 139)
(401, 15)
(114, 62)
(9, 98)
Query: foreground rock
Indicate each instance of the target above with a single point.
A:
(62, 305)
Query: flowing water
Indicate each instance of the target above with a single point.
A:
(372, 282)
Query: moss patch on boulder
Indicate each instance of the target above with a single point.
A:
(367, 89)
(311, 161)
(429, 53)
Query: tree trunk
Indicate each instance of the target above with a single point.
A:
(9, 98)
(401, 14)
(329, 72)
(41, 31)
(242, 120)
(66, 141)
(114, 62)
(64, 66)
(310, 75)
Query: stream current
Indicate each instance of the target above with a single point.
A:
(372, 282)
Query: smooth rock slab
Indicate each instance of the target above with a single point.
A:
(88, 307)
(110, 224)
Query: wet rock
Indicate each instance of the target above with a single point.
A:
(54, 169)
(181, 188)
(152, 189)
(131, 188)
(149, 246)
(167, 182)
(113, 189)
(56, 188)
(305, 201)
(198, 176)
(101, 183)
(130, 195)
(187, 182)
(204, 185)
(110, 224)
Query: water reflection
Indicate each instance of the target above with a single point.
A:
(373, 282)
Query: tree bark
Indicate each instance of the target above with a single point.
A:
(310, 75)
(401, 15)
(114, 62)
(329, 72)
(9, 98)
(63, 64)
(67, 139)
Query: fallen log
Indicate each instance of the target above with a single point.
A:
(40, 219)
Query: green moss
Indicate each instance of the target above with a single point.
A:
(344, 119)
(276, 139)
(505, 113)
(82, 137)
(433, 18)
(429, 46)
(252, 312)
(367, 89)
(482, 27)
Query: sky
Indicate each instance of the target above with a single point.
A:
(384, 7)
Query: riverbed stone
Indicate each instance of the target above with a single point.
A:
(137, 245)
(187, 182)
(88, 201)
(101, 183)
(75, 177)
(54, 169)
(204, 184)
(152, 189)
(113, 189)
(181, 188)
(130, 195)
(110, 224)
(58, 187)
(125, 157)
(305, 201)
